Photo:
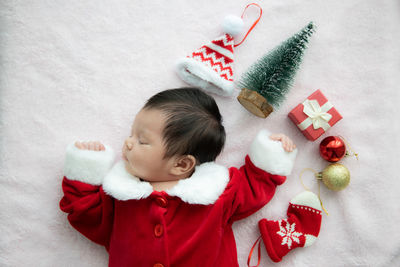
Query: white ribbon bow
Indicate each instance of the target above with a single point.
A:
(317, 115)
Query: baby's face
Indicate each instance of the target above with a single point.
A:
(144, 149)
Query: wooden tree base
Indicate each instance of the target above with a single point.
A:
(255, 103)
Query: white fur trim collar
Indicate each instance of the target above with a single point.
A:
(204, 187)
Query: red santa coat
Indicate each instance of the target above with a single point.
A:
(187, 225)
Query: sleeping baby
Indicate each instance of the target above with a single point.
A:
(167, 202)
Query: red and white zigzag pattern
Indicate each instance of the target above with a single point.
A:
(217, 60)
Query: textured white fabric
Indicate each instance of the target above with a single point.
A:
(307, 198)
(80, 70)
(310, 239)
(269, 155)
(195, 72)
(87, 165)
(232, 25)
(204, 186)
(123, 186)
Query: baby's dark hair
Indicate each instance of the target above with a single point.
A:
(194, 124)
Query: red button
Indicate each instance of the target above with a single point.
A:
(158, 265)
(162, 202)
(158, 230)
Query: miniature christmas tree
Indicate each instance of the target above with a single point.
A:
(268, 80)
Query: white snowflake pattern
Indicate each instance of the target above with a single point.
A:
(288, 234)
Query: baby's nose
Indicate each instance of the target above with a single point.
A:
(128, 144)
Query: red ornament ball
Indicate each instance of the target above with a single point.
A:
(332, 148)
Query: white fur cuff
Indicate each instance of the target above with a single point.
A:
(87, 166)
(197, 74)
(270, 156)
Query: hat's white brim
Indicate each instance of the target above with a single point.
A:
(197, 74)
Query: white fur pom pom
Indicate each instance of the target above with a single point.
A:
(232, 25)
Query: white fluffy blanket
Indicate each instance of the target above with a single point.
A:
(80, 70)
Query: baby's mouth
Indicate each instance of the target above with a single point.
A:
(124, 157)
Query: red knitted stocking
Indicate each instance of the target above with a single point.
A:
(300, 229)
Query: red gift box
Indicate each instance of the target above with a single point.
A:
(315, 115)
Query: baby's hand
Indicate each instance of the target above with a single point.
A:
(287, 143)
(91, 145)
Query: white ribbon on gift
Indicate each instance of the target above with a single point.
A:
(317, 115)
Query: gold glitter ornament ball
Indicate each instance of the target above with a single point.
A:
(336, 176)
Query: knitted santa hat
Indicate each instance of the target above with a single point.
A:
(211, 66)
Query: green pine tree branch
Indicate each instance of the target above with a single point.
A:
(273, 74)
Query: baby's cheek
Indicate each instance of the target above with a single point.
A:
(139, 160)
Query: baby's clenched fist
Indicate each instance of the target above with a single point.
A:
(91, 145)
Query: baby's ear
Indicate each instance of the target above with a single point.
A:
(184, 165)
